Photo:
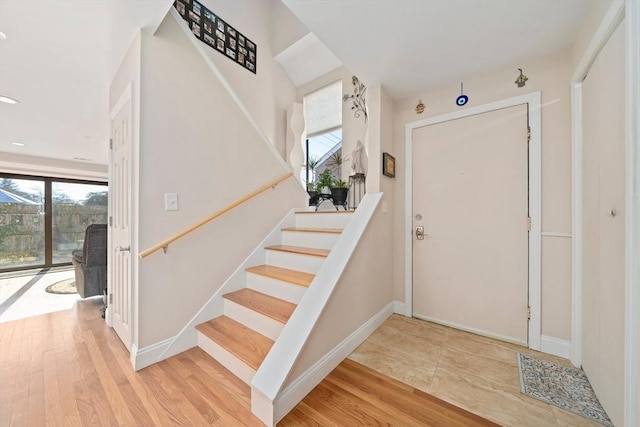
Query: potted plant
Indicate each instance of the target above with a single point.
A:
(339, 193)
(311, 167)
(325, 181)
(335, 161)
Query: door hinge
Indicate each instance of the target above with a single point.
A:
(110, 298)
(528, 223)
(528, 134)
(110, 221)
(110, 143)
(528, 313)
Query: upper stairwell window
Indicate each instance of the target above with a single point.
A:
(323, 117)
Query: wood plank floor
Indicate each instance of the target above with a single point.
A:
(69, 369)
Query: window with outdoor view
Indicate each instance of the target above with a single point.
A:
(21, 223)
(323, 148)
(42, 220)
(74, 207)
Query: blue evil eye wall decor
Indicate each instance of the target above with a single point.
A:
(462, 99)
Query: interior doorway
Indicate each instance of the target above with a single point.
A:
(529, 333)
(120, 313)
(470, 209)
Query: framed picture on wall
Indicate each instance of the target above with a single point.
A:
(209, 28)
(388, 165)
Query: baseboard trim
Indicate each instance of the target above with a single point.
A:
(555, 346)
(398, 307)
(297, 390)
(147, 356)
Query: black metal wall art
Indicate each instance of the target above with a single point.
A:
(213, 31)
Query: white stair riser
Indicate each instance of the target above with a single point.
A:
(226, 359)
(323, 220)
(276, 288)
(260, 323)
(309, 240)
(307, 263)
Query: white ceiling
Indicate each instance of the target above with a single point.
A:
(58, 60)
(412, 45)
(59, 55)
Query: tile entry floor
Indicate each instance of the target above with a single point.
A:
(470, 371)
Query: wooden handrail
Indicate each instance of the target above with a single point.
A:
(165, 243)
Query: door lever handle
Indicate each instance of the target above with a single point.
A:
(124, 248)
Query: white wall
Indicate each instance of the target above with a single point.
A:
(286, 28)
(550, 75)
(194, 141)
(267, 94)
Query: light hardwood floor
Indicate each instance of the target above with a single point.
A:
(69, 369)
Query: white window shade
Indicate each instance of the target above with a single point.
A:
(323, 109)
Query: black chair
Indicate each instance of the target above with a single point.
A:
(90, 263)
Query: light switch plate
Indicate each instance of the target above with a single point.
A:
(170, 201)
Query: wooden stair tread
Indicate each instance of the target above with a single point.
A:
(300, 250)
(245, 343)
(314, 230)
(292, 276)
(272, 307)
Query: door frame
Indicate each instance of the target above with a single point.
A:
(618, 10)
(535, 201)
(126, 96)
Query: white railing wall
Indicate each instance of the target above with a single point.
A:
(284, 378)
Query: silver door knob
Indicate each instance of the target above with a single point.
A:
(612, 213)
(420, 232)
(124, 248)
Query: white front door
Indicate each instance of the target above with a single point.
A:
(470, 195)
(120, 193)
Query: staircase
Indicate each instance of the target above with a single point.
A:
(254, 316)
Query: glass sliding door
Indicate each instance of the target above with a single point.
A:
(22, 225)
(43, 220)
(74, 207)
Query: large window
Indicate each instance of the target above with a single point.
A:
(42, 220)
(21, 223)
(323, 117)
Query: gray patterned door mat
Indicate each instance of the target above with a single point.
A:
(565, 387)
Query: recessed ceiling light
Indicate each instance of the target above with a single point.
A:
(7, 100)
(19, 144)
(3, 36)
